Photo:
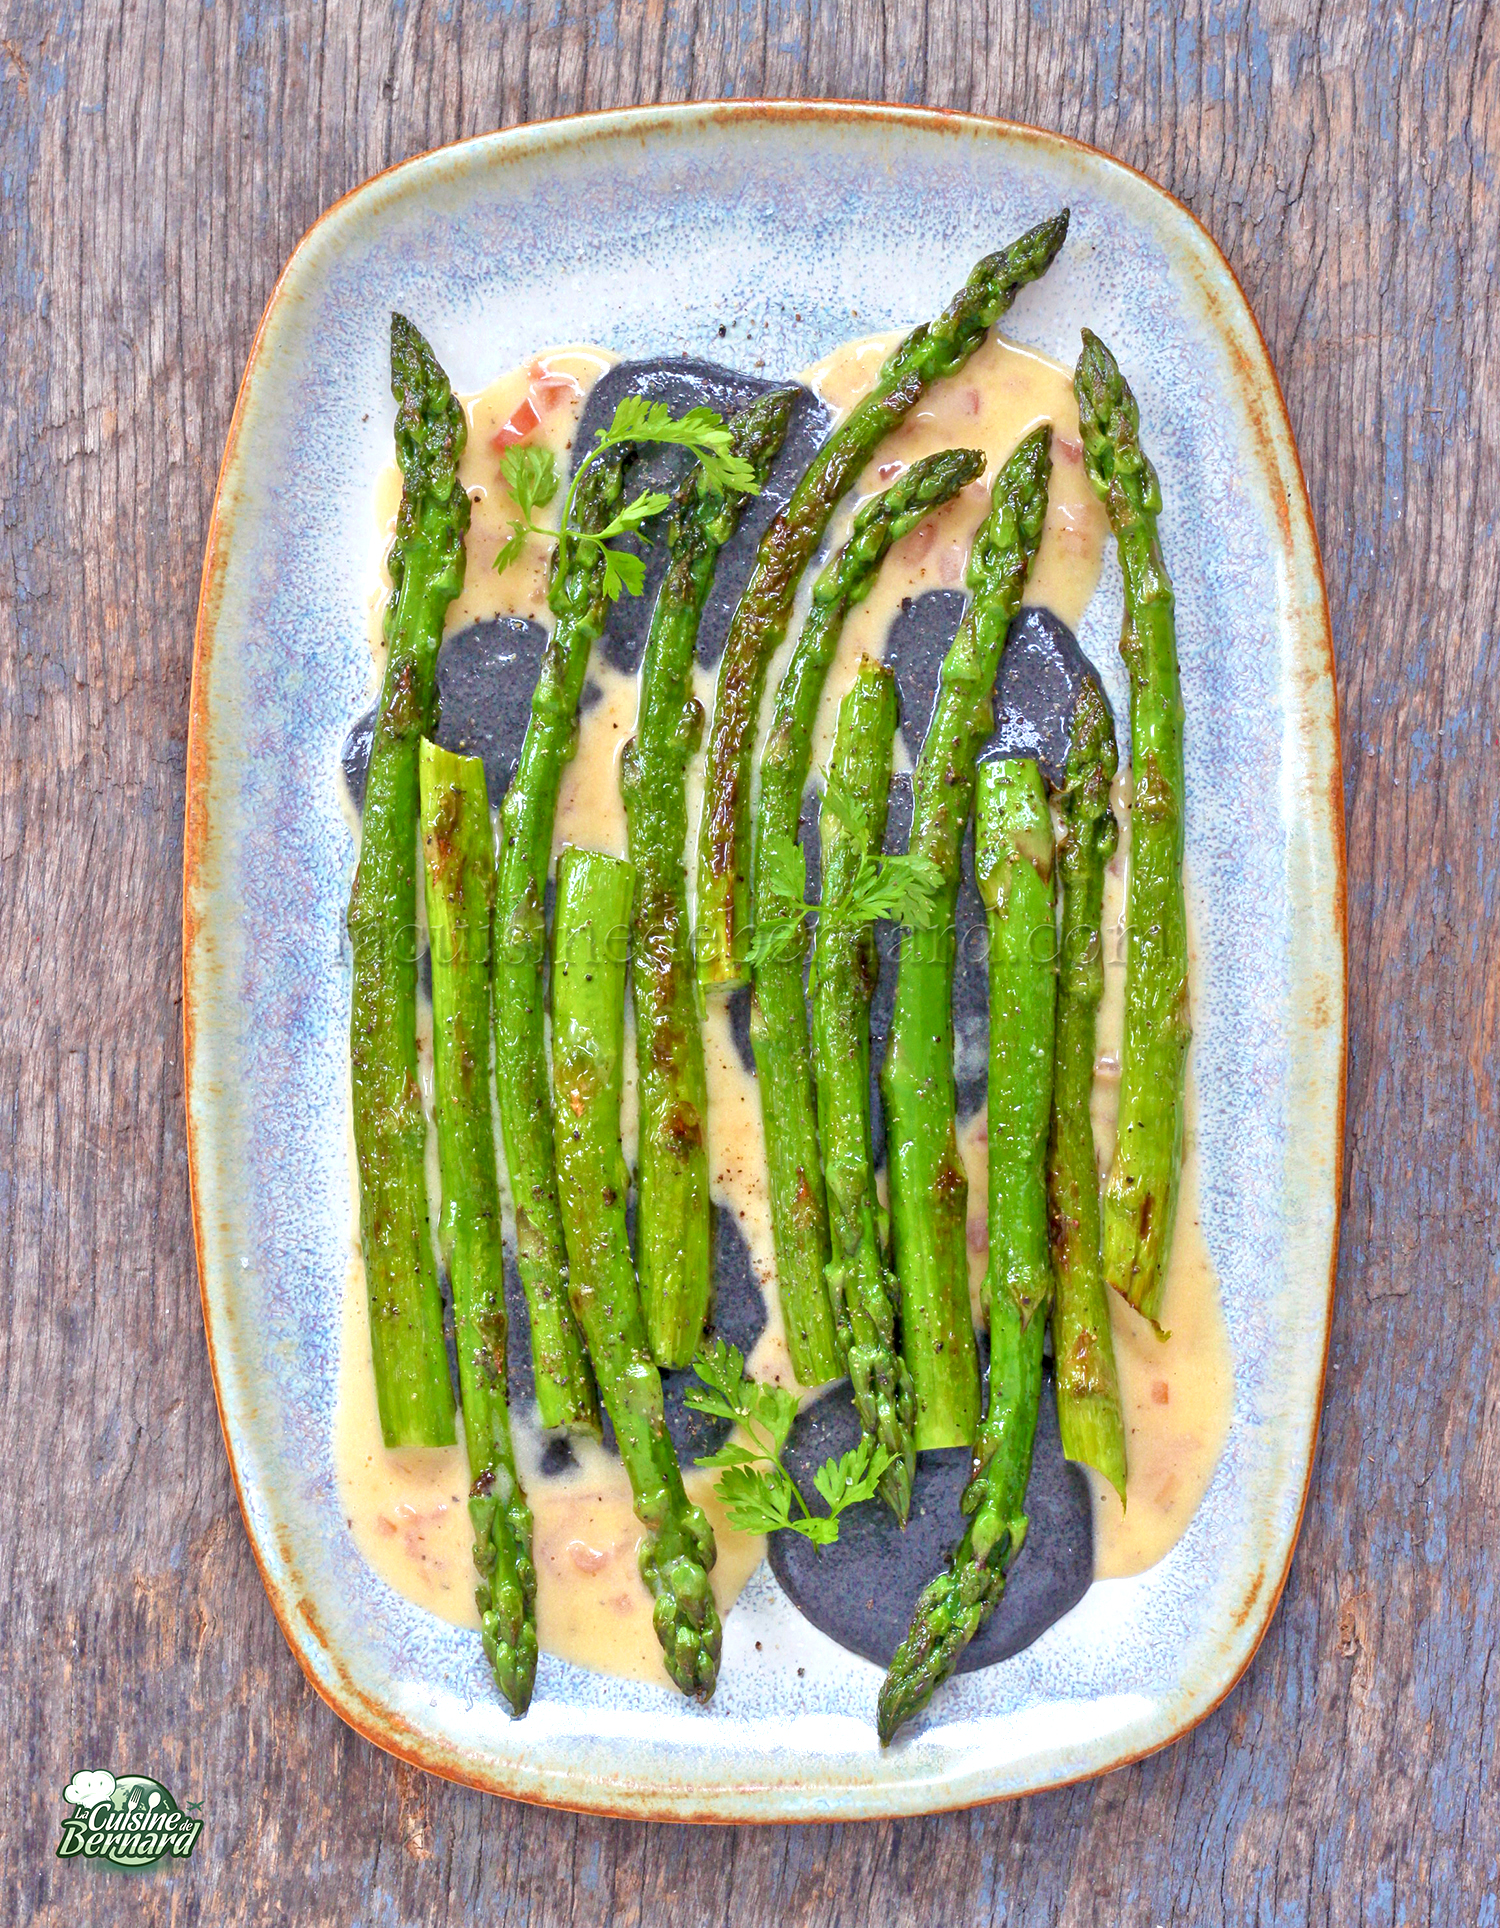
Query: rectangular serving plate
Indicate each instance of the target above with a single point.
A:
(645, 230)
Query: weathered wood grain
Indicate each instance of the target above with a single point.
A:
(158, 161)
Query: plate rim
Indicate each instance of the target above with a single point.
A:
(379, 1722)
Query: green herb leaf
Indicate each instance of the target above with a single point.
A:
(820, 1528)
(711, 1403)
(902, 888)
(775, 1410)
(855, 1477)
(721, 1367)
(623, 571)
(782, 908)
(512, 546)
(700, 429)
(530, 474)
(758, 1493)
(730, 1454)
(649, 503)
(757, 1500)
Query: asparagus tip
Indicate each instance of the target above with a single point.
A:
(1048, 236)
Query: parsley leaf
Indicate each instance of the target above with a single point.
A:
(901, 888)
(904, 889)
(530, 474)
(700, 429)
(623, 571)
(853, 1478)
(755, 1503)
(759, 1494)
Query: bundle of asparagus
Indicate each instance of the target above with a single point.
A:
(897, 1322)
(778, 1015)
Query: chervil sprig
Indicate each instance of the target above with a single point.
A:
(759, 1494)
(530, 474)
(900, 888)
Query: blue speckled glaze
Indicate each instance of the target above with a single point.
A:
(794, 228)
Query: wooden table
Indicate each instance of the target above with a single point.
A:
(158, 162)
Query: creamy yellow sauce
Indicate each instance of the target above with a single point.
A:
(406, 1510)
(409, 1516)
(1175, 1392)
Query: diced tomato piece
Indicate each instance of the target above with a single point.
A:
(553, 390)
(521, 424)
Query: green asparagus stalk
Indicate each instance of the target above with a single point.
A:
(1013, 868)
(1088, 1389)
(458, 845)
(936, 349)
(1140, 1198)
(588, 1049)
(673, 1229)
(565, 1392)
(778, 1012)
(412, 1386)
(929, 1188)
(845, 967)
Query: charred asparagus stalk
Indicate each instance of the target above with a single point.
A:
(861, 1287)
(458, 848)
(588, 1048)
(1013, 868)
(1088, 1391)
(1140, 1198)
(412, 1387)
(778, 1013)
(673, 1231)
(936, 349)
(929, 1188)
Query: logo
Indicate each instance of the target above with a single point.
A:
(132, 1822)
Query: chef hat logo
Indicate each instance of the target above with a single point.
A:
(89, 1788)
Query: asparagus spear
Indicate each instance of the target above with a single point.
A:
(861, 1287)
(412, 1387)
(1013, 868)
(1140, 1198)
(936, 349)
(778, 1013)
(458, 845)
(929, 1188)
(1088, 1391)
(672, 1200)
(564, 1385)
(588, 1049)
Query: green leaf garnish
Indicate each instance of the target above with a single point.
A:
(759, 1494)
(903, 889)
(530, 475)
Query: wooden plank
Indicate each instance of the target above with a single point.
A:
(159, 161)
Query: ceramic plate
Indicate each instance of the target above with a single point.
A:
(639, 230)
